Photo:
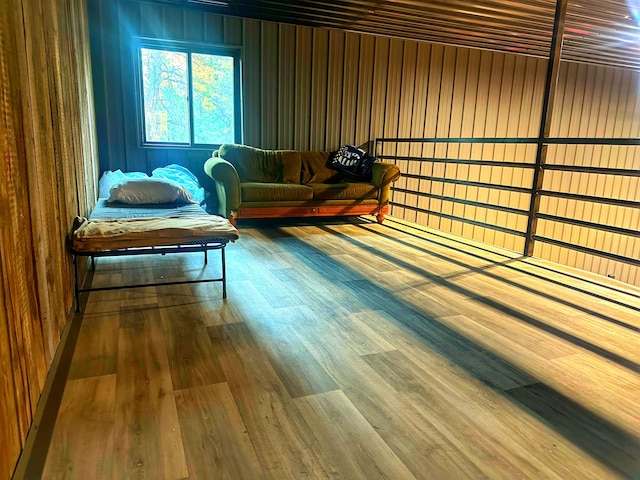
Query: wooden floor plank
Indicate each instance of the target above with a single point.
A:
(192, 360)
(103, 302)
(278, 293)
(470, 422)
(327, 296)
(400, 426)
(133, 271)
(363, 339)
(534, 341)
(97, 346)
(612, 446)
(603, 333)
(592, 382)
(280, 435)
(216, 441)
(435, 334)
(352, 443)
(148, 442)
(82, 443)
(517, 355)
(297, 369)
(349, 349)
(608, 304)
(494, 288)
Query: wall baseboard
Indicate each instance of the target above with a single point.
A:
(34, 453)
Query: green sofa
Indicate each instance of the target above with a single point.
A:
(255, 183)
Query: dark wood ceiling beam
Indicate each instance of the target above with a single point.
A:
(452, 33)
(597, 31)
(320, 9)
(500, 10)
(398, 23)
(526, 19)
(498, 29)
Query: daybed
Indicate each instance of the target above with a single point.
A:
(256, 183)
(118, 229)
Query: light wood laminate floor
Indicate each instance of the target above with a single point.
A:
(348, 349)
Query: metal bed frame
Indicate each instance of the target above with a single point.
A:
(187, 247)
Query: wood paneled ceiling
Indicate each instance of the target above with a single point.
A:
(597, 31)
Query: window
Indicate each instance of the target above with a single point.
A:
(189, 97)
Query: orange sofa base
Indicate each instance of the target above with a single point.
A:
(321, 211)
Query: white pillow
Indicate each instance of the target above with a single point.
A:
(107, 180)
(144, 191)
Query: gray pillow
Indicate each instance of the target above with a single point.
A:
(149, 191)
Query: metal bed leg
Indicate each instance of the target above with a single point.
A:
(93, 264)
(77, 289)
(224, 273)
(206, 257)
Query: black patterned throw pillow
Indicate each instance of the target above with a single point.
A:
(353, 162)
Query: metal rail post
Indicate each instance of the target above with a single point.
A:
(545, 122)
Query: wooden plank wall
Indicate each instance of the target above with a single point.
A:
(594, 102)
(457, 92)
(49, 174)
(497, 95)
(306, 88)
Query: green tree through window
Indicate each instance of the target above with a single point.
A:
(212, 98)
(170, 79)
(166, 96)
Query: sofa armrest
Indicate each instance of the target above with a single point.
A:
(227, 184)
(382, 176)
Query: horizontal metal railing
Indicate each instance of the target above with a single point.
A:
(592, 225)
(491, 140)
(599, 170)
(515, 140)
(532, 190)
(590, 198)
(464, 201)
(590, 251)
(470, 183)
(460, 161)
(477, 223)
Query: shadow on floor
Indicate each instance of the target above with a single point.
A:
(596, 436)
(512, 283)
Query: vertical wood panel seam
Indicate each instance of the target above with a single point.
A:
(30, 187)
(475, 110)
(437, 119)
(294, 96)
(399, 105)
(12, 332)
(327, 86)
(311, 83)
(277, 99)
(356, 110)
(446, 165)
(373, 66)
(344, 68)
(415, 82)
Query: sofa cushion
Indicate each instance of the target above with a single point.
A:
(274, 192)
(315, 170)
(257, 165)
(343, 191)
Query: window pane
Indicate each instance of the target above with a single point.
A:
(213, 112)
(166, 96)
